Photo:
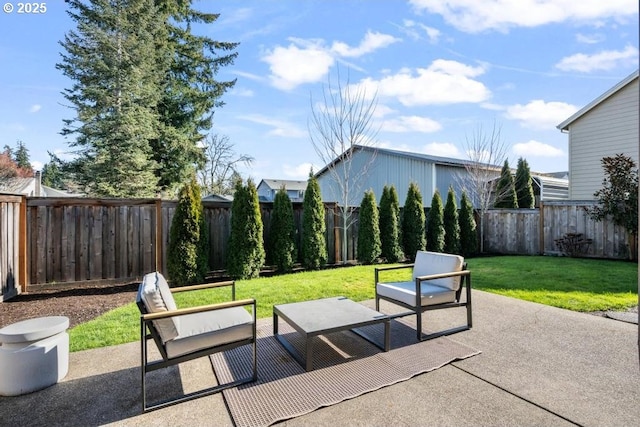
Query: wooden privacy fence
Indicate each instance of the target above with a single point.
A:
(45, 241)
(535, 231)
(78, 240)
(12, 245)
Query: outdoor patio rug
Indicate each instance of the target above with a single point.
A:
(345, 366)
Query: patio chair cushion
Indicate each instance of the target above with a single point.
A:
(156, 296)
(406, 293)
(209, 329)
(427, 263)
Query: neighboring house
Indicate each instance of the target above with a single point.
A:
(268, 188)
(32, 187)
(605, 127)
(398, 168)
(218, 198)
(546, 186)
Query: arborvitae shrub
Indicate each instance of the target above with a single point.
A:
(506, 190)
(523, 184)
(282, 233)
(413, 223)
(314, 245)
(468, 233)
(368, 229)
(451, 224)
(187, 261)
(435, 224)
(246, 249)
(391, 250)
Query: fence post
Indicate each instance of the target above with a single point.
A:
(23, 278)
(159, 245)
(541, 227)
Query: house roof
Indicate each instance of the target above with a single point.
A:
(446, 161)
(590, 106)
(15, 185)
(275, 184)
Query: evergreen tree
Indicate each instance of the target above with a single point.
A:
(190, 91)
(369, 246)
(144, 92)
(111, 58)
(245, 249)
(390, 225)
(505, 189)
(52, 175)
(187, 261)
(314, 245)
(21, 157)
(282, 233)
(435, 224)
(413, 223)
(524, 186)
(468, 233)
(451, 224)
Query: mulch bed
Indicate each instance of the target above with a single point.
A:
(78, 304)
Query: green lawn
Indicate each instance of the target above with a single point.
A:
(574, 284)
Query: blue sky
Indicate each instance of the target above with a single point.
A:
(440, 69)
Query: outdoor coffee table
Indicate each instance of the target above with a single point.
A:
(324, 316)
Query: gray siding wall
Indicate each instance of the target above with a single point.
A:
(399, 171)
(610, 128)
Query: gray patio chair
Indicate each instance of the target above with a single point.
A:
(437, 283)
(190, 333)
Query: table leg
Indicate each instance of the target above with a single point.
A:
(275, 324)
(309, 351)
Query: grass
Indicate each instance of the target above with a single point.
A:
(570, 283)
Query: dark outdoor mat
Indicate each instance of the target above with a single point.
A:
(345, 366)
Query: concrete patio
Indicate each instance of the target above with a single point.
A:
(539, 365)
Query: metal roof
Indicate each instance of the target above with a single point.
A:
(275, 184)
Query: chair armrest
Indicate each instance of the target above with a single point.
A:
(443, 275)
(395, 267)
(231, 283)
(203, 286)
(199, 309)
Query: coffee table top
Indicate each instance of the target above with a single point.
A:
(326, 314)
(33, 329)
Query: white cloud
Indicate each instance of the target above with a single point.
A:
(247, 93)
(309, 60)
(539, 114)
(441, 149)
(299, 172)
(536, 149)
(601, 61)
(370, 43)
(411, 28)
(36, 165)
(475, 16)
(411, 124)
(443, 82)
(292, 66)
(35, 108)
(279, 127)
(589, 38)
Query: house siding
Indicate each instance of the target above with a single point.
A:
(397, 170)
(610, 128)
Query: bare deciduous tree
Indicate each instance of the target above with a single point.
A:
(485, 150)
(340, 125)
(221, 164)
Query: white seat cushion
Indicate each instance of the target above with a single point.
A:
(155, 294)
(428, 263)
(406, 293)
(208, 329)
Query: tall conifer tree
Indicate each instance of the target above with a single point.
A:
(451, 224)
(435, 224)
(390, 242)
(413, 223)
(523, 184)
(468, 231)
(505, 189)
(368, 229)
(314, 246)
(282, 233)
